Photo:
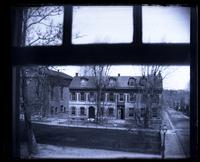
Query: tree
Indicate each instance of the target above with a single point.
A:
(42, 25)
(31, 143)
(99, 73)
(154, 75)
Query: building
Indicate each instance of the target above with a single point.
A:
(122, 98)
(177, 99)
(47, 93)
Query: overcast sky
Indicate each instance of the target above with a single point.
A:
(178, 77)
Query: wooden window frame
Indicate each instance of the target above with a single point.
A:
(133, 53)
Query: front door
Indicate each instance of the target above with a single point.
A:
(120, 112)
(91, 112)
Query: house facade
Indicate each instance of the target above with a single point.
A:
(122, 98)
(48, 93)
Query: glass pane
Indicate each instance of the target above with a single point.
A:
(169, 24)
(102, 24)
(43, 26)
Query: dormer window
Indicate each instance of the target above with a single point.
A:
(112, 82)
(132, 81)
(143, 81)
(84, 82)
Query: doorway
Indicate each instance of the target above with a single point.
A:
(91, 112)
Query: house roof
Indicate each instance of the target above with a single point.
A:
(58, 74)
(121, 82)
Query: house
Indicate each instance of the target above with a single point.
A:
(122, 98)
(47, 93)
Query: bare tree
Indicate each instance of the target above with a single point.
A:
(42, 25)
(35, 86)
(99, 73)
(31, 143)
(154, 75)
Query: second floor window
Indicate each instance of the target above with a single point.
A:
(82, 96)
(111, 97)
(92, 96)
(73, 110)
(132, 97)
(73, 96)
(121, 97)
(131, 111)
(154, 112)
(82, 111)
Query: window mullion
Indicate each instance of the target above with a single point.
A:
(137, 25)
(67, 25)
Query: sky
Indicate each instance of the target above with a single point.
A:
(115, 24)
(177, 77)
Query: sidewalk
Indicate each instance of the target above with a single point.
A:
(173, 147)
(59, 152)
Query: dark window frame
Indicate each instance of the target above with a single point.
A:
(111, 112)
(82, 111)
(82, 96)
(121, 96)
(73, 110)
(179, 54)
(131, 111)
(73, 96)
(132, 97)
(111, 97)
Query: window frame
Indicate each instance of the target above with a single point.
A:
(179, 54)
(134, 97)
(82, 111)
(131, 111)
(110, 112)
(82, 96)
(75, 95)
(73, 111)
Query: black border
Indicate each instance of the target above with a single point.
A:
(20, 56)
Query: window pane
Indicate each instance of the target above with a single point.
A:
(102, 24)
(169, 24)
(43, 26)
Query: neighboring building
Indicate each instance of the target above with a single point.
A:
(50, 91)
(177, 99)
(122, 98)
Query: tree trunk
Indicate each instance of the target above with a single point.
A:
(98, 103)
(32, 145)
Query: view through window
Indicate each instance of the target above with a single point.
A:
(97, 110)
(128, 128)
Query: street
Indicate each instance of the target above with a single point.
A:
(178, 134)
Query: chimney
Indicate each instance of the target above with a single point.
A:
(76, 74)
(118, 74)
